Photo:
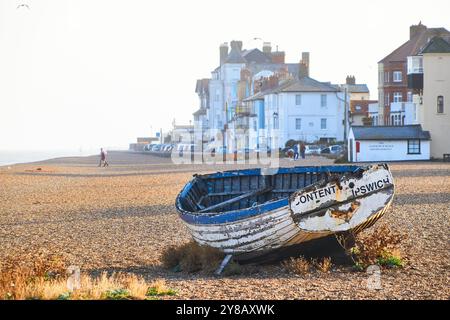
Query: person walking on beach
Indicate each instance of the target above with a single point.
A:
(302, 150)
(296, 152)
(103, 158)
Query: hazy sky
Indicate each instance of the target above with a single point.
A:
(90, 73)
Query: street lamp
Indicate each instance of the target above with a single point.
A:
(275, 121)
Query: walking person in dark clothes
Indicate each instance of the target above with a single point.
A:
(302, 150)
(103, 158)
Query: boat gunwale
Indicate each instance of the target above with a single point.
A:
(198, 218)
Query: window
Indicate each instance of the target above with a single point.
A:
(413, 146)
(386, 99)
(358, 108)
(410, 96)
(276, 124)
(396, 120)
(217, 96)
(298, 124)
(398, 97)
(298, 99)
(397, 75)
(440, 104)
(386, 77)
(323, 124)
(323, 100)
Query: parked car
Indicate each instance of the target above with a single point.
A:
(336, 149)
(313, 149)
(156, 148)
(149, 147)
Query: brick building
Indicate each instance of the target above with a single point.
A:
(392, 70)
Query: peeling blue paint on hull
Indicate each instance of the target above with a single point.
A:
(248, 213)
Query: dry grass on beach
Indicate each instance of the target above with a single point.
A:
(44, 276)
(122, 219)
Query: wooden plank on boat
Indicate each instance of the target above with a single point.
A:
(234, 200)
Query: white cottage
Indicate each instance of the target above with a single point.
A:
(388, 143)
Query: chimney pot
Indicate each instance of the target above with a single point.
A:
(236, 45)
(303, 70)
(414, 30)
(351, 80)
(267, 48)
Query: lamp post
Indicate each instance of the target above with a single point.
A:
(275, 121)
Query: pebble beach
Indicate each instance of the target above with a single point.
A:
(121, 219)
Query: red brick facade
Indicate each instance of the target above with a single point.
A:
(394, 90)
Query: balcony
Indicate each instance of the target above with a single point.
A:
(415, 73)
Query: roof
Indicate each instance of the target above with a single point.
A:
(199, 112)
(412, 47)
(436, 45)
(357, 88)
(256, 56)
(390, 132)
(306, 84)
(235, 57)
(202, 86)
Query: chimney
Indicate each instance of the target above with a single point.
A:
(223, 52)
(303, 67)
(303, 70)
(236, 45)
(350, 80)
(305, 58)
(267, 48)
(414, 30)
(278, 57)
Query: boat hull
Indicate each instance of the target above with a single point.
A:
(306, 216)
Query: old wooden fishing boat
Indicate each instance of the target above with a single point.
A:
(252, 213)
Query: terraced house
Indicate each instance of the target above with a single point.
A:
(261, 101)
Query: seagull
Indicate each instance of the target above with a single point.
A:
(23, 5)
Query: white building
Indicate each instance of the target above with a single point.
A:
(388, 143)
(260, 101)
(299, 109)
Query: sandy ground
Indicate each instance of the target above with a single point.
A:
(121, 218)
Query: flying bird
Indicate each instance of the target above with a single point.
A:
(23, 5)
